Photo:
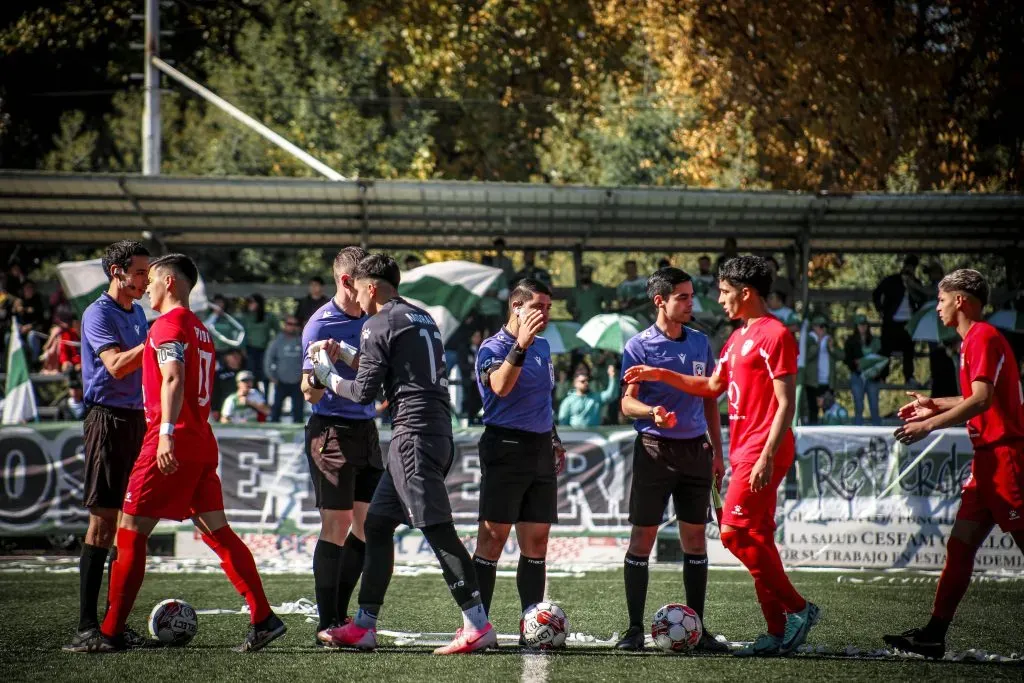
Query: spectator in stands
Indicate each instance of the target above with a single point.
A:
(531, 270)
(896, 300)
(780, 285)
(15, 279)
(412, 261)
(862, 354)
(777, 306)
(819, 366)
(583, 408)
(6, 313)
(260, 328)
(31, 313)
(283, 367)
(247, 404)
(831, 412)
(704, 280)
(632, 292)
(70, 353)
(72, 406)
(226, 331)
(311, 303)
(504, 262)
(665, 262)
(60, 307)
(729, 251)
(588, 298)
(230, 363)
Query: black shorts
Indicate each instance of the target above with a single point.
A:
(344, 461)
(113, 439)
(518, 481)
(680, 468)
(412, 489)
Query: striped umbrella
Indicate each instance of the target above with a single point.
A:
(926, 326)
(562, 336)
(1008, 319)
(609, 331)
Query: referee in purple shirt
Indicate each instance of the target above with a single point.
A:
(113, 336)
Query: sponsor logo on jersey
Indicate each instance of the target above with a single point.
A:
(366, 333)
(698, 368)
(136, 329)
(747, 345)
(734, 395)
(327, 314)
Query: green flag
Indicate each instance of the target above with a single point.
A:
(19, 398)
(448, 291)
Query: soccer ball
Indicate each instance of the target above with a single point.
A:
(544, 626)
(676, 628)
(173, 622)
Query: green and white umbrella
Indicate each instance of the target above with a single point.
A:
(563, 336)
(707, 306)
(448, 290)
(610, 331)
(1008, 319)
(926, 326)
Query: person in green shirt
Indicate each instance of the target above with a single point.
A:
(588, 298)
(831, 412)
(260, 328)
(583, 407)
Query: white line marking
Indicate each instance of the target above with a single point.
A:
(535, 665)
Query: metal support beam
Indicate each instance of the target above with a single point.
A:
(240, 116)
(151, 138)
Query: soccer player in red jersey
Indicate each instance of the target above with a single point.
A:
(758, 369)
(993, 407)
(175, 475)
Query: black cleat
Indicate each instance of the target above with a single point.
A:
(709, 644)
(262, 634)
(133, 640)
(918, 641)
(632, 639)
(80, 643)
(94, 642)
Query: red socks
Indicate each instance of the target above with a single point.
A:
(955, 578)
(126, 576)
(238, 564)
(756, 550)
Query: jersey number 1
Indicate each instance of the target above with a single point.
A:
(425, 333)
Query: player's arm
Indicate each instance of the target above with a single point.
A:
(612, 390)
(982, 394)
(714, 421)
(633, 407)
(924, 407)
(785, 395)
(505, 375)
(374, 361)
(170, 357)
(311, 393)
(120, 363)
(259, 406)
(704, 387)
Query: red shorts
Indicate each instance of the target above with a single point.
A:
(994, 493)
(746, 509)
(191, 490)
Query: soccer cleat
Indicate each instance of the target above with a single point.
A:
(766, 645)
(798, 624)
(709, 644)
(323, 637)
(94, 642)
(262, 634)
(351, 635)
(133, 640)
(80, 643)
(632, 639)
(469, 641)
(918, 641)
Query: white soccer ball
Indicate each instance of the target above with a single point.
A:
(173, 622)
(676, 628)
(544, 626)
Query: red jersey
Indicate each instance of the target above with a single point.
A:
(70, 347)
(753, 357)
(180, 325)
(986, 355)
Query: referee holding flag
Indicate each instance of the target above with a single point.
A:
(520, 453)
(672, 456)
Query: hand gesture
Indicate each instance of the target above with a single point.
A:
(663, 418)
(911, 432)
(165, 459)
(761, 474)
(718, 471)
(559, 460)
(530, 326)
(642, 373)
(332, 347)
(921, 408)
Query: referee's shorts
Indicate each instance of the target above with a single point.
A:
(518, 478)
(113, 439)
(344, 460)
(676, 468)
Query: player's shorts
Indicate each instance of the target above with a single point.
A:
(344, 460)
(994, 493)
(518, 481)
(194, 488)
(746, 509)
(113, 439)
(680, 468)
(412, 488)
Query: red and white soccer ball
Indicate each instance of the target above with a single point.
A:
(173, 622)
(544, 626)
(676, 628)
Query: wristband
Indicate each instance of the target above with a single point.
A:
(166, 429)
(314, 382)
(516, 357)
(348, 353)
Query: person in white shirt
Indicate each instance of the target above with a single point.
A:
(246, 404)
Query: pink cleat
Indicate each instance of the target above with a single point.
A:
(469, 641)
(350, 635)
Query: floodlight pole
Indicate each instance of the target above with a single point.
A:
(151, 103)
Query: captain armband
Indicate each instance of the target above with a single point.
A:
(170, 352)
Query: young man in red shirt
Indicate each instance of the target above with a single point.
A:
(758, 369)
(175, 475)
(993, 407)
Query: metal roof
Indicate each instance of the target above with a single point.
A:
(210, 211)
